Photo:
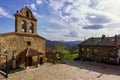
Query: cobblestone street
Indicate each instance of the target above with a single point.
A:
(72, 70)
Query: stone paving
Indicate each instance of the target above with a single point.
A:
(72, 70)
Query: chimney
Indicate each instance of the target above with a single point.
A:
(92, 39)
(103, 36)
(115, 38)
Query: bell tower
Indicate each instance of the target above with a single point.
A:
(25, 22)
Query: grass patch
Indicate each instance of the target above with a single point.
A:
(69, 56)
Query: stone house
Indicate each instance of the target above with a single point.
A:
(24, 46)
(100, 49)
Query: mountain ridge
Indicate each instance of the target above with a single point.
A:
(67, 44)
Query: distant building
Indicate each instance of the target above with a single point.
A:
(24, 46)
(101, 49)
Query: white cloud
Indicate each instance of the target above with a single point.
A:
(4, 13)
(33, 6)
(39, 2)
(53, 34)
(57, 21)
(92, 16)
(109, 6)
(72, 17)
(75, 19)
(37, 15)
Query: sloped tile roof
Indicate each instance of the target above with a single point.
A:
(32, 52)
(98, 41)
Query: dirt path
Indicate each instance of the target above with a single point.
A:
(72, 70)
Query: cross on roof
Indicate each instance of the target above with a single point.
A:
(26, 4)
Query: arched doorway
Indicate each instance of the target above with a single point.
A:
(29, 61)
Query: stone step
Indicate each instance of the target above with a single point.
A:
(1, 74)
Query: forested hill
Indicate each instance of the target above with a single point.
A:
(66, 44)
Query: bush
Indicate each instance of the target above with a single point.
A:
(77, 58)
(69, 56)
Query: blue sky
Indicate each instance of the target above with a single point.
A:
(66, 20)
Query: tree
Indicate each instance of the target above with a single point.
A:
(60, 47)
(73, 49)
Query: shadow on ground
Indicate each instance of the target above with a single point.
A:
(95, 67)
(2, 76)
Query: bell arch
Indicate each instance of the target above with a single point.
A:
(23, 26)
(25, 21)
(31, 26)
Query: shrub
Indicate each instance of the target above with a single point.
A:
(69, 56)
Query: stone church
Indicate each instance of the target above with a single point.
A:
(24, 46)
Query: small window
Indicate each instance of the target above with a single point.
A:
(88, 49)
(100, 40)
(111, 52)
(27, 13)
(28, 43)
(95, 51)
(113, 39)
(82, 49)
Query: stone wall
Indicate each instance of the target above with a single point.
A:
(20, 43)
(97, 53)
(25, 15)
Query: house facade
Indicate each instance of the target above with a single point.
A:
(24, 46)
(101, 49)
